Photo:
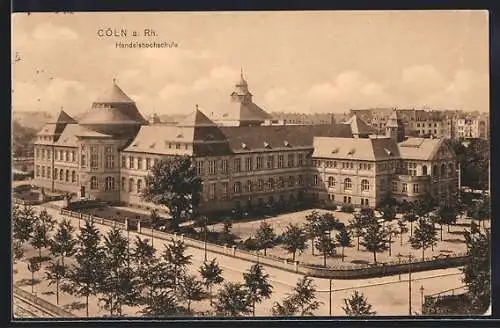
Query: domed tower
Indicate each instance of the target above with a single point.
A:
(113, 113)
(105, 129)
(394, 128)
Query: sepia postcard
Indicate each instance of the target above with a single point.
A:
(250, 164)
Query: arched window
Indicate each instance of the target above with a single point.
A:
(451, 171)
(424, 169)
(67, 175)
(123, 183)
(55, 173)
(93, 183)
(61, 174)
(139, 185)
(130, 185)
(249, 186)
(110, 183)
(365, 185)
(73, 176)
(347, 184)
(237, 187)
(435, 172)
(331, 182)
(443, 170)
(43, 171)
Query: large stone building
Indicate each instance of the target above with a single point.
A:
(107, 154)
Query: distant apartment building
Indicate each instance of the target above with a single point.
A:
(284, 118)
(471, 127)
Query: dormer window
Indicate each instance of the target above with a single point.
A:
(388, 152)
(244, 145)
(351, 152)
(335, 150)
(286, 143)
(179, 135)
(152, 145)
(266, 145)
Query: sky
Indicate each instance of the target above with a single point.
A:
(329, 61)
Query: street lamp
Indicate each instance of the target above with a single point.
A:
(330, 297)
(422, 297)
(205, 228)
(410, 256)
(399, 256)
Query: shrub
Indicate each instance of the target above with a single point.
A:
(347, 208)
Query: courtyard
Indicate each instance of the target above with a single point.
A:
(453, 241)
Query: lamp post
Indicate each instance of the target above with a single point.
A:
(330, 291)
(205, 228)
(422, 297)
(409, 284)
(399, 262)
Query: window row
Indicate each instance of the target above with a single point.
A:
(248, 164)
(59, 155)
(364, 184)
(404, 187)
(132, 185)
(267, 184)
(343, 165)
(58, 174)
(109, 183)
(138, 163)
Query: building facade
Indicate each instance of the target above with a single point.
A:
(243, 163)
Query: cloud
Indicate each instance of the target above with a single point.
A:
(49, 31)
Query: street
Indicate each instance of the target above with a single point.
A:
(388, 295)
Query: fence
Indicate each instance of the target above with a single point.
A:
(340, 272)
(95, 219)
(42, 303)
(18, 201)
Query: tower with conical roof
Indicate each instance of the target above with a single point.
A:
(394, 128)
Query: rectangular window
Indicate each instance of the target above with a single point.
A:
(177, 146)
(249, 164)
(148, 163)
(212, 167)
(405, 187)
(130, 162)
(211, 192)
(315, 180)
(110, 158)
(260, 185)
(270, 162)
(139, 163)
(200, 167)
(300, 159)
(280, 161)
(225, 187)
(124, 162)
(415, 188)
(300, 180)
(259, 163)
(291, 181)
(291, 159)
(394, 186)
(94, 157)
(224, 166)
(237, 165)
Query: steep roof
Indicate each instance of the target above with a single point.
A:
(394, 120)
(64, 118)
(358, 126)
(162, 139)
(419, 148)
(113, 94)
(196, 118)
(261, 138)
(373, 149)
